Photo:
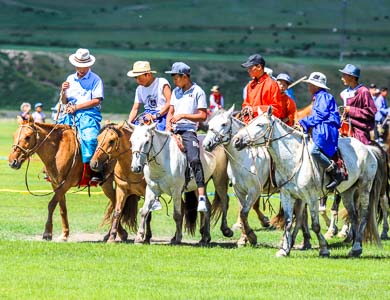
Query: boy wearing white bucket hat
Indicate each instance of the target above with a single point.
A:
(83, 93)
(324, 123)
(153, 92)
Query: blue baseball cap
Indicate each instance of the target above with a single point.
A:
(38, 104)
(179, 68)
(254, 60)
(351, 70)
(285, 77)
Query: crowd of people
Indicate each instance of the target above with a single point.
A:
(179, 110)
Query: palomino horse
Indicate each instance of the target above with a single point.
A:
(300, 178)
(164, 164)
(58, 148)
(249, 171)
(114, 146)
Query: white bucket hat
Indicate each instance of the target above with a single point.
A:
(139, 68)
(82, 58)
(215, 88)
(317, 79)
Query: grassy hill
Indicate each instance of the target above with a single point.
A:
(297, 37)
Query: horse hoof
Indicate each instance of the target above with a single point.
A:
(47, 237)
(106, 237)
(204, 242)
(265, 222)
(63, 238)
(355, 253)
(174, 241)
(139, 240)
(329, 235)
(281, 253)
(324, 253)
(384, 236)
(123, 236)
(242, 242)
(227, 232)
(236, 227)
(305, 246)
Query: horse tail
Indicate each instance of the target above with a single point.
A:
(108, 213)
(129, 212)
(190, 212)
(216, 207)
(278, 220)
(378, 188)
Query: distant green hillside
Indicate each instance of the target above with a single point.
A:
(298, 37)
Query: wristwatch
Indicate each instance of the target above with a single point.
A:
(158, 116)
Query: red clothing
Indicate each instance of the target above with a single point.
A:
(290, 108)
(263, 92)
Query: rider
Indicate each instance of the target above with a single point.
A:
(324, 122)
(188, 106)
(262, 91)
(153, 92)
(284, 81)
(83, 93)
(358, 104)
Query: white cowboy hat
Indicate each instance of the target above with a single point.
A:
(82, 58)
(139, 68)
(317, 79)
(215, 88)
(25, 104)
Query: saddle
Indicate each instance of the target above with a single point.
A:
(337, 158)
(346, 129)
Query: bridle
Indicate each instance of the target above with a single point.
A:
(147, 152)
(222, 137)
(115, 148)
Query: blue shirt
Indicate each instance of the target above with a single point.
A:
(324, 121)
(382, 110)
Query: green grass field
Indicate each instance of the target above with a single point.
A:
(89, 269)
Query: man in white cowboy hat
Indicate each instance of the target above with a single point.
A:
(153, 92)
(83, 93)
(25, 109)
(325, 123)
(216, 99)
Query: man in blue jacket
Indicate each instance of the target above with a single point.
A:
(325, 123)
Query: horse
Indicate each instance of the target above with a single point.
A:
(299, 177)
(59, 150)
(158, 155)
(249, 171)
(114, 147)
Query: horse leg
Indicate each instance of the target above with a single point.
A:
(385, 210)
(237, 225)
(322, 210)
(301, 222)
(64, 216)
(178, 217)
(48, 234)
(205, 227)
(115, 223)
(144, 213)
(246, 229)
(264, 220)
(221, 181)
(315, 220)
(285, 246)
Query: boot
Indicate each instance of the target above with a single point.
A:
(336, 175)
(96, 178)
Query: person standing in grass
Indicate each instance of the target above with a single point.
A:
(82, 92)
(153, 92)
(188, 106)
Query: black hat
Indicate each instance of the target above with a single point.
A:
(253, 60)
(372, 86)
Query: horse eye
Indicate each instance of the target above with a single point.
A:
(28, 138)
(111, 143)
(223, 125)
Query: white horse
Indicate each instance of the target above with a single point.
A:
(301, 178)
(249, 171)
(164, 165)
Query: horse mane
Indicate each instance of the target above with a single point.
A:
(287, 127)
(113, 127)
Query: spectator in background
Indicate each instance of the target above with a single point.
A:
(38, 115)
(216, 99)
(289, 105)
(261, 92)
(25, 109)
(381, 128)
(374, 91)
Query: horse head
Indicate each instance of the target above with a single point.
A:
(25, 142)
(220, 130)
(141, 144)
(108, 147)
(257, 132)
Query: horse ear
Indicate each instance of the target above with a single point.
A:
(107, 122)
(231, 110)
(30, 120)
(131, 126)
(20, 120)
(153, 126)
(269, 111)
(121, 124)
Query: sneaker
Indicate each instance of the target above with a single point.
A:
(156, 205)
(202, 204)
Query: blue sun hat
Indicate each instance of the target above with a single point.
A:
(179, 68)
(351, 70)
(38, 104)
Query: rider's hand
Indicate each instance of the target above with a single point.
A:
(65, 85)
(70, 108)
(149, 117)
(176, 118)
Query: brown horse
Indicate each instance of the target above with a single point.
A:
(114, 147)
(58, 148)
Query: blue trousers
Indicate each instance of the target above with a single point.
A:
(320, 157)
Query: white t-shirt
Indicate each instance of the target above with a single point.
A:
(38, 117)
(152, 96)
(188, 103)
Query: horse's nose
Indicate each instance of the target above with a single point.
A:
(237, 142)
(13, 164)
(94, 165)
(136, 169)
